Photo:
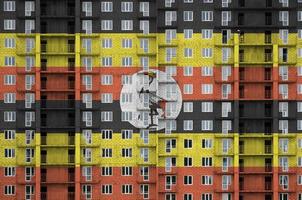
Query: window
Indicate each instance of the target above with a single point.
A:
(9, 80)
(188, 52)
(299, 162)
(87, 63)
(106, 134)
(127, 189)
(127, 25)
(206, 125)
(188, 197)
(29, 63)
(299, 16)
(170, 16)
(87, 135)
(9, 116)
(127, 134)
(9, 134)
(207, 1)
(126, 116)
(87, 8)
(299, 179)
(106, 6)
(188, 162)
(188, 180)
(126, 79)
(107, 43)
(226, 181)
(106, 116)
(283, 181)
(188, 143)
(207, 71)
(127, 7)
(126, 171)
(225, 18)
(207, 196)
(127, 152)
(299, 88)
(207, 107)
(106, 98)
(206, 16)
(107, 25)
(29, 118)
(206, 89)
(206, 161)
(9, 43)
(9, 6)
(107, 153)
(107, 61)
(144, 8)
(29, 26)
(9, 97)
(206, 33)
(188, 1)
(9, 171)
(226, 107)
(106, 189)
(206, 52)
(127, 43)
(188, 16)
(9, 153)
(188, 33)
(87, 26)
(9, 190)
(206, 180)
(206, 143)
(188, 106)
(188, 125)
(283, 33)
(127, 61)
(188, 89)
(106, 79)
(29, 7)
(9, 24)
(9, 61)
(107, 171)
(283, 17)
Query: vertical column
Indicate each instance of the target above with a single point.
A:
(236, 116)
(275, 121)
(38, 105)
(77, 117)
(275, 166)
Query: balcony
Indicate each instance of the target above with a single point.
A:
(71, 195)
(268, 167)
(68, 49)
(268, 149)
(268, 57)
(71, 159)
(43, 195)
(65, 105)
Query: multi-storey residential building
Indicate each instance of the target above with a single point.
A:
(151, 99)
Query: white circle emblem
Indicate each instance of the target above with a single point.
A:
(150, 99)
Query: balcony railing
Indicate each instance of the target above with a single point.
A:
(43, 195)
(69, 48)
(43, 159)
(268, 57)
(71, 158)
(268, 167)
(43, 177)
(71, 177)
(268, 149)
(241, 149)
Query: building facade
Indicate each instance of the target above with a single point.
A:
(151, 99)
